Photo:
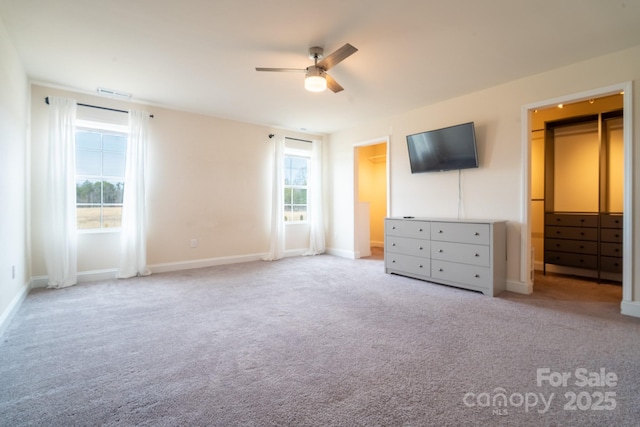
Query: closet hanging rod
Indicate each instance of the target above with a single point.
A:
(46, 100)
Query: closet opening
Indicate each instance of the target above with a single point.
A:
(577, 193)
(371, 191)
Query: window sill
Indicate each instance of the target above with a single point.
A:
(98, 230)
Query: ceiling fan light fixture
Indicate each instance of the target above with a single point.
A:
(315, 79)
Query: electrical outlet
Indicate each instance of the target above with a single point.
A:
(194, 243)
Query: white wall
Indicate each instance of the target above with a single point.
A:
(14, 97)
(494, 191)
(209, 179)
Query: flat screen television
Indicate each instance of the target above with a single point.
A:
(449, 148)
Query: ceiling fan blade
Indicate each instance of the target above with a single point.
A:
(332, 84)
(336, 57)
(281, 69)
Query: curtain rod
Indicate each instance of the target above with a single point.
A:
(46, 100)
(301, 140)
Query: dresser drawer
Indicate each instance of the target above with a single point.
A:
(579, 246)
(611, 249)
(407, 228)
(461, 232)
(611, 221)
(571, 220)
(573, 233)
(462, 273)
(462, 253)
(611, 264)
(408, 246)
(407, 264)
(611, 235)
(571, 260)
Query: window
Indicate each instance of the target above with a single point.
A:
(296, 169)
(100, 165)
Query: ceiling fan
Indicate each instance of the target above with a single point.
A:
(316, 78)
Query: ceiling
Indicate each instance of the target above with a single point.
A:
(200, 55)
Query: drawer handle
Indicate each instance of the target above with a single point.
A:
(393, 244)
(393, 261)
(581, 219)
(617, 235)
(440, 231)
(476, 234)
(420, 247)
(440, 250)
(420, 229)
(440, 269)
(477, 276)
(420, 266)
(582, 233)
(476, 255)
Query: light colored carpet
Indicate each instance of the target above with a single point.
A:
(309, 341)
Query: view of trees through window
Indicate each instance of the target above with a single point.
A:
(100, 166)
(295, 188)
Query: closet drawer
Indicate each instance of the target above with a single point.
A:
(462, 253)
(611, 264)
(571, 259)
(611, 221)
(461, 232)
(408, 246)
(571, 220)
(611, 249)
(611, 235)
(407, 228)
(580, 246)
(574, 233)
(462, 273)
(404, 264)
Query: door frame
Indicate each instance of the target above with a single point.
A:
(627, 247)
(374, 141)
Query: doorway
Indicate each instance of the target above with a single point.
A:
(371, 177)
(533, 201)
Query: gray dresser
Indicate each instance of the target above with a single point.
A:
(466, 254)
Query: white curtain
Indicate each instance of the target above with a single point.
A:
(315, 206)
(276, 249)
(60, 228)
(133, 233)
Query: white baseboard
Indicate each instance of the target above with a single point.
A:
(630, 308)
(12, 308)
(202, 263)
(212, 262)
(342, 253)
(83, 277)
(90, 276)
(519, 287)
